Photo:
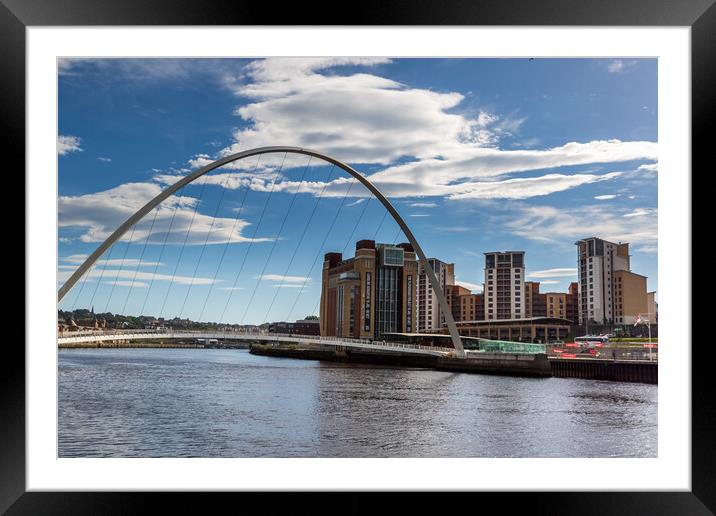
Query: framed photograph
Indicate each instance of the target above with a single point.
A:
(435, 251)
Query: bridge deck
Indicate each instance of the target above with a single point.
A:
(103, 336)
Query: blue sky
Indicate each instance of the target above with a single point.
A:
(477, 155)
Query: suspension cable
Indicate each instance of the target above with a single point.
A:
(321, 247)
(139, 263)
(121, 267)
(300, 241)
(273, 245)
(181, 250)
(251, 242)
(206, 241)
(101, 275)
(380, 226)
(345, 247)
(226, 246)
(85, 277)
(159, 260)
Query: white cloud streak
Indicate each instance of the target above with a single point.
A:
(555, 225)
(553, 273)
(99, 214)
(68, 144)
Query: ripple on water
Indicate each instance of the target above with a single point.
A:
(229, 403)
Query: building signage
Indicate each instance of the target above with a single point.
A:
(366, 305)
(409, 305)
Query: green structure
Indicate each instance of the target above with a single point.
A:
(505, 346)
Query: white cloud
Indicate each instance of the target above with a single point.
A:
(549, 282)
(125, 283)
(473, 287)
(99, 214)
(106, 160)
(422, 204)
(649, 167)
(127, 262)
(553, 273)
(130, 274)
(284, 279)
(620, 65)
(554, 225)
(641, 212)
(605, 197)
(68, 144)
(419, 215)
(363, 118)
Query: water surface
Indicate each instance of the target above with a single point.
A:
(229, 403)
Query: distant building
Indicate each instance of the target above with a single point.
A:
(535, 302)
(464, 305)
(630, 297)
(430, 316)
(653, 306)
(454, 293)
(562, 305)
(603, 268)
(370, 294)
(525, 329)
(504, 285)
(573, 303)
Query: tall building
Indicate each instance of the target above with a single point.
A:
(504, 285)
(370, 294)
(598, 262)
(430, 316)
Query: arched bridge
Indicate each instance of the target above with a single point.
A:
(81, 337)
(130, 224)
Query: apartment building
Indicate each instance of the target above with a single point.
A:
(598, 262)
(504, 290)
(430, 316)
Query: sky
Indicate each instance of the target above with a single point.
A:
(477, 155)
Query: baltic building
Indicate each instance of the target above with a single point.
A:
(372, 293)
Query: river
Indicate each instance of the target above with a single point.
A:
(229, 403)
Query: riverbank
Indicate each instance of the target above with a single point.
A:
(503, 364)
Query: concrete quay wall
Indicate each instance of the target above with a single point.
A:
(596, 369)
(506, 364)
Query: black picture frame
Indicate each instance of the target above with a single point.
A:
(700, 15)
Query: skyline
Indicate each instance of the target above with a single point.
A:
(529, 154)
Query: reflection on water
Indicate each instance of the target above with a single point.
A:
(229, 403)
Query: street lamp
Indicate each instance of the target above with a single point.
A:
(640, 320)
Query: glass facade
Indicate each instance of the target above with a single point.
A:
(388, 293)
(392, 257)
